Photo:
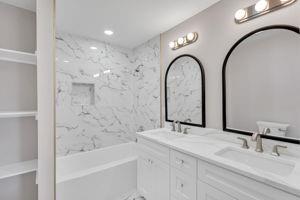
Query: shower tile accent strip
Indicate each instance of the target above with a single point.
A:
(127, 88)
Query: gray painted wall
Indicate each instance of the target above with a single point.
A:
(18, 30)
(217, 33)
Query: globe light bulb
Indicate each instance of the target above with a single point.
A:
(180, 41)
(261, 5)
(190, 36)
(172, 44)
(240, 14)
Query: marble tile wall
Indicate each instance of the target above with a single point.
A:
(126, 92)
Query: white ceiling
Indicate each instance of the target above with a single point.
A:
(26, 4)
(133, 21)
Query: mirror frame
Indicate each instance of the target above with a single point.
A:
(225, 128)
(203, 123)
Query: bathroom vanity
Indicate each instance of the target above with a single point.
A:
(175, 166)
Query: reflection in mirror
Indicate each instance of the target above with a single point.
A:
(184, 84)
(262, 84)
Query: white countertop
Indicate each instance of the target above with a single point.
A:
(208, 142)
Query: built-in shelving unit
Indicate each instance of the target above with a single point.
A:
(19, 168)
(18, 128)
(17, 56)
(17, 114)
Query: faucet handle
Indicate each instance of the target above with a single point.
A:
(173, 125)
(245, 143)
(275, 151)
(185, 130)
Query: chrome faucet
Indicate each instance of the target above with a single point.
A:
(179, 130)
(257, 137)
(188, 120)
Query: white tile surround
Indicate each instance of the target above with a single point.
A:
(127, 88)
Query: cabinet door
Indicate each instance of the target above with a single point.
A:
(161, 180)
(206, 192)
(144, 178)
(153, 178)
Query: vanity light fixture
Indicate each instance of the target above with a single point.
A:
(262, 7)
(183, 41)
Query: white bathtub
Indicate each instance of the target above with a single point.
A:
(104, 174)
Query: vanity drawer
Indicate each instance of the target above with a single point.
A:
(158, 151)
(183, 162)
(183, 186)
(207, 192)
(238, 186)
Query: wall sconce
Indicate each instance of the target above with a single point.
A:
(183, 41)
(262, 7)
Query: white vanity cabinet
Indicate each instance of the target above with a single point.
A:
(167, 174)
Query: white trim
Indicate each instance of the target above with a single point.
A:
(19, 168)
(17, 56)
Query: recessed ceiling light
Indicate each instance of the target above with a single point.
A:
(66, 61)
(96, 75)
(93, 48)
(106, 71)
(108, 32)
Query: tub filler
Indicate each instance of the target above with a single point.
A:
(103, 174)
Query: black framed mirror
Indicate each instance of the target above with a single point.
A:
(185, 91)
(260, 83)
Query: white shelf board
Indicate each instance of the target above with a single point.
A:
(17, 56)
(18, 169)
(18, 114)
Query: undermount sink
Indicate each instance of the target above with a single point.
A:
(169, 135)
(256, 161)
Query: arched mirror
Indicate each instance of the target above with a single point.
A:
(261, 84)
(185, 91)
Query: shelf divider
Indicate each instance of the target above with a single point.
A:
(17, 56)
(19, 168)
(16, 114)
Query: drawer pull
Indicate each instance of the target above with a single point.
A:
(180, 161)
(150, 161)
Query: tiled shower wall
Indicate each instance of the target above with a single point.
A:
(104, 95)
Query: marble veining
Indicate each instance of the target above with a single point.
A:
(184, 91)
(126, 92)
